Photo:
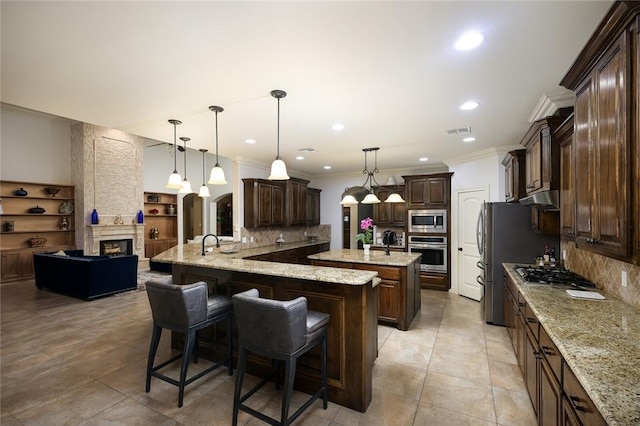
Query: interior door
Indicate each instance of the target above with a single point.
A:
(469, 207)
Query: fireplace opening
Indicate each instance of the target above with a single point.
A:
(116, 247)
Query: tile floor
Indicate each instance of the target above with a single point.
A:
(70, 362)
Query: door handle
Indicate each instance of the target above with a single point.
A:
(480, 265)
(480, 281)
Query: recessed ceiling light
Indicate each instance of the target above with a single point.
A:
(469, 139)
(250, 141)
(469, 105)
(337, 127)
(423, 159)
(299, 157)
(469, 40)
(327, 167)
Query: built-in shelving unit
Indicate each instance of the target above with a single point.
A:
(160, 212)
(25, 231)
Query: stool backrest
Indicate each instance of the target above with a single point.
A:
(177, 305)
(270, 326)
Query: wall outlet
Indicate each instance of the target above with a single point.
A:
(623, 278)
(251, 239)
(244, 240)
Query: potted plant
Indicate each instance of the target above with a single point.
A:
(367, 235)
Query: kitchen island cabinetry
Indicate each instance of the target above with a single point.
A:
(264, 203)
(349, 297)
(577, 366)
(295, 255)
(605, 79)
(514, 175)
(399, 291)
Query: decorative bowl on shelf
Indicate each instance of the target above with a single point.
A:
(37, 210)
(52, 190)
(154, 211)
(20, 192)
(37, 242)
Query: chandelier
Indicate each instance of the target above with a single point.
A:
(368, 185)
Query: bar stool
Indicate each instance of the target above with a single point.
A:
(283, 331)
(186, 309)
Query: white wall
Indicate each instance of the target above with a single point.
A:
(34, 147)
(484, 170)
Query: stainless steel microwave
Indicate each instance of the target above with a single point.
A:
(428, 220)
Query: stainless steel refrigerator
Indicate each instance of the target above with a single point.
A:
(504, 235)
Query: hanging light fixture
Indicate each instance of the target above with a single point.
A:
(175, 181)
(371, 198)
(217, 174)
(278, 168)
(204, 189)
(186, 185)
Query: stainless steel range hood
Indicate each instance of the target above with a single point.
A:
(545, 200)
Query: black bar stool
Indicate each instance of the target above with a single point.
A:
(186, 309)
(283, 331)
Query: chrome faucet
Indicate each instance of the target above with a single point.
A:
(210, 235)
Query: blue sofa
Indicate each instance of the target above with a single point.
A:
(85, 277)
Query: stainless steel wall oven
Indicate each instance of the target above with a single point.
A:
(433, 250)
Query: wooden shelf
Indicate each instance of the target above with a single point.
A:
(167, 224)
(17, 254)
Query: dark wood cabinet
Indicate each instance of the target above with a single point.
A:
(263, 203)
(545, 221)
(296, 201)
(564, 135)
(514, 175)
(428, 190)
(295, 255)
(606, 119)
(550, 396)
(578, 402)
(542, 157)
(390, 214)
(434, 281)
(313, 206)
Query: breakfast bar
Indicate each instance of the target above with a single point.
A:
(348, 296)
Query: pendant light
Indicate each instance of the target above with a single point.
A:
(370, 198)
(175, 181)
(186, 185)
(278, 168)
(204, 189)
(217, 174)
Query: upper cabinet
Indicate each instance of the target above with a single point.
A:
(542, 155)
(428, 190)
(564, 135)
(263, 203)
(514, 175)
(606, 118)
(313, 206)
(390, 214)
(296, 201)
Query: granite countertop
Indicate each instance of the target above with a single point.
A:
(190, 254)
(375, 257)
(600, 341)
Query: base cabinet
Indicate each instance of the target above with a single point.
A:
(434, 281)
(550, 401)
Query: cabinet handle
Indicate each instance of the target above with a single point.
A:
(546, 350)
(522, 304)
(531, 320)
(575, 401)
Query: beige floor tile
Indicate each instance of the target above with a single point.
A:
(470, 367)
(459, 395)
(432, 415)
(513, 408)
(68, 361)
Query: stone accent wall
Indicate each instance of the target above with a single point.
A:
(107, 170)
(604, 272)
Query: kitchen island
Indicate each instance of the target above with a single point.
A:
(348, 296)
(588, 344)
(399, 291)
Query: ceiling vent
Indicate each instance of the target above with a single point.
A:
(459, 131)
(307, 150)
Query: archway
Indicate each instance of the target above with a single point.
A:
(191, 217)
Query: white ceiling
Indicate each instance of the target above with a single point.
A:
(386, 70)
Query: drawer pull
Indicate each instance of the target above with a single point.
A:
(575, 401)
(531, 320)
(546, 350)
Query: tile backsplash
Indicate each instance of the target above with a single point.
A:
(605, 272)
(267, 237)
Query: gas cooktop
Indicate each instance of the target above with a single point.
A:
(554, 276)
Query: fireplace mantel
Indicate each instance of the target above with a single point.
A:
(101, 232)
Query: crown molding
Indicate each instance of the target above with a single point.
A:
(549, 104)
(498, 151)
